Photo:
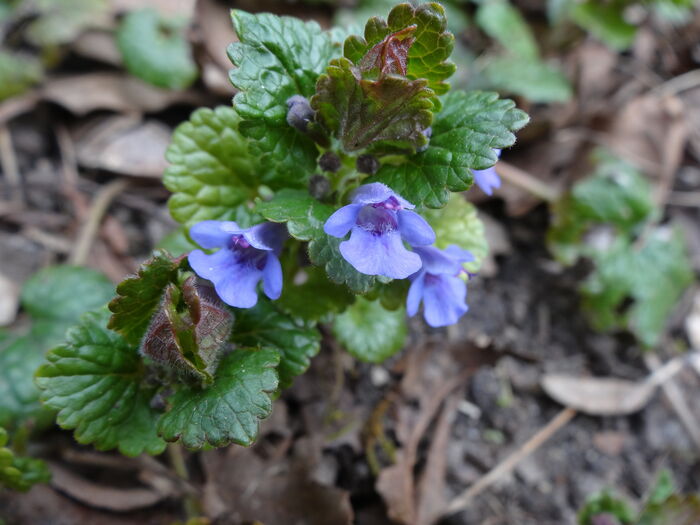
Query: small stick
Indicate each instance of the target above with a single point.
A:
(690, 199)
(8, 161)
(676, 399)
(508, 464)
(527, 182)
(99, 207)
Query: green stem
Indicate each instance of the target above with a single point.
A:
(193, 507)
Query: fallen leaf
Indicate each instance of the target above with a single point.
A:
(98, 45)
(598, 396)
(123, 144)
(692, 323)
(105, 497)
(9, 300)
(214, 29)
(610, 442)
(81, 94)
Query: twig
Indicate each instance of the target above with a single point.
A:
(177, 461)
(8, 161)
(508, 464)
(690, 199)
(527, 182)
(676, 399)
(99, 207)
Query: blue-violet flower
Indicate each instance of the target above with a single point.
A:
(439, 285)
(246, 257)
(488, 179)
(379, 221)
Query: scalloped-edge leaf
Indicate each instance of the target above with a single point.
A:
(276, 57)
(20, 473)
(230, 410)
(390, 113)
(465, 134)
(95, 381)
(458, 223)
(369, 331)
(428, 54)
(297, 341)
(212, 172)
(138, 297)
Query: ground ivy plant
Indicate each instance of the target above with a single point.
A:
(328, 193)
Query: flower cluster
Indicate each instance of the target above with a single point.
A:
(379, 222)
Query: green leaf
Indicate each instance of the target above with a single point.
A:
(615, 195)
(20, 473)
(428, 54)
(138, 297)
(662, 489)
(177, 242)
(95, 381)
(264, 326)
(229, 410)
(605, 502)
(676, 510)
(504, 23)
(465, 133)
(392, 112)
(458, 223)
(18, 73)
(305, 217)
(533, 79)
(370, 332)
(303, 214)
(61, 22)
(286, 157)
(156, 49)
(315, 298)
(276, 57)
(650, 273)
(212, 172)
(55, 297)
(65, 292)
(605, 21)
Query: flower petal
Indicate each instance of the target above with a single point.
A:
(340, 223)
(379, 254)
(268, 236)
(487, 180)
(438, 262)
(459, 254)
(212, 266)
(239, 286)
(213, 234)
(415, 294)
(373, 193)
(272, 277)
(444, 300)
(414, 229)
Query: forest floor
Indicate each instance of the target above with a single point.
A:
(355, 443)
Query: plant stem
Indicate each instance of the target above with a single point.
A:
(193, 508)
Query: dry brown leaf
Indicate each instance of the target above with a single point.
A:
(245, 487)
(215, 30)
(9, 300)
(119, 92)
(692, 323)
(598, 396)
(98, 45)
(104, 497)
(656, 149)
(124, 145)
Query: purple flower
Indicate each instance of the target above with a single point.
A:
(439, 286)
(246, 257)
(379, 221)
(488, 179)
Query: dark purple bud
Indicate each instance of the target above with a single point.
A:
(299, 112)
(319, 186)
(367, 164)
(329, 161)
